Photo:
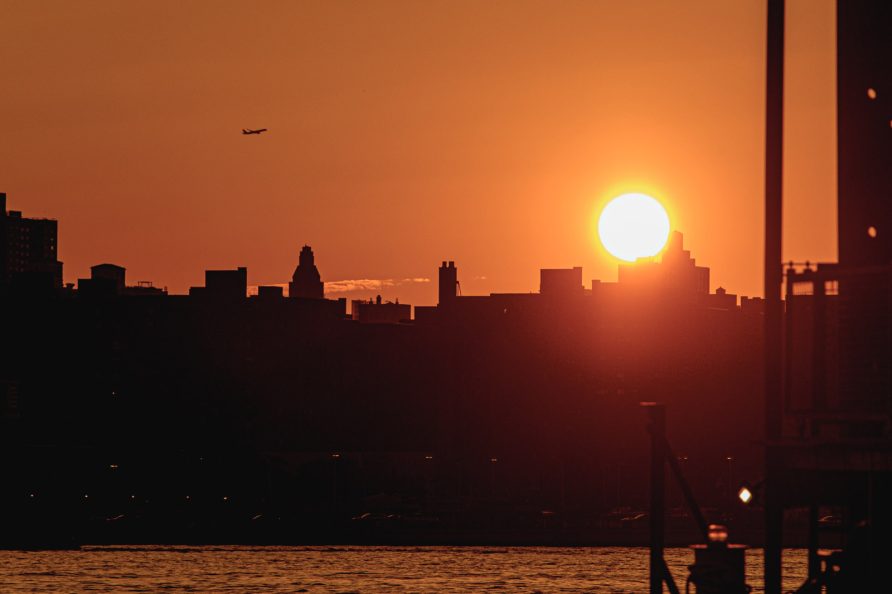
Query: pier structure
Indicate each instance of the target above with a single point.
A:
(828, 343)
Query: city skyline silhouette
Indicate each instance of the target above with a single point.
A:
(479, 404)
(489, 140)
(585, 276)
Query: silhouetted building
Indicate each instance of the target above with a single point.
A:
(376, 312)
(9, 400)
(306, 282)
(106, 280)
(223, 284)
(864, 109)
(864, 116)
(270, 292)
(677, 272)
(448, 285)
(425, 314)
(722, 299)
(561, 282)
(111, 272)
(144, 288)
(109, 280)
(545, 384)
(752, 305)
(28, 250)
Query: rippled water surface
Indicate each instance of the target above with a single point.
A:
(351, 569)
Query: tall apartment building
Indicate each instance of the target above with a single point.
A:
(28, 250)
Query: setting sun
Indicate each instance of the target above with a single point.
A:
(633, 226)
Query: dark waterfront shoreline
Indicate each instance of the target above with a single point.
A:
(523, 539)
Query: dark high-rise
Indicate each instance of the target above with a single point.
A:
(28, 250)
(561, 282)
(864, 96)
(306, 282)
(448, 282)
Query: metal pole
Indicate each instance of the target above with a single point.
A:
(814, 562)
(657, 428)
(774, 135)
(819, 340)
(773, 216)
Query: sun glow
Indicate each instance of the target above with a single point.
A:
(633, 226)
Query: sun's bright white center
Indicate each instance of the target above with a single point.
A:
(633, 226)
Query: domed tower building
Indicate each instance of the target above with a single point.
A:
(306, 282)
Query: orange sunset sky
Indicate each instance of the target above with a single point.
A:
(406, 133)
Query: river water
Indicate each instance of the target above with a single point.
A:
(352, 569)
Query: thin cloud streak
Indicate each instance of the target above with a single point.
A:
(354, 285)
(370, 284)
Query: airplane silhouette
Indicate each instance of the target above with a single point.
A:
(248, 131)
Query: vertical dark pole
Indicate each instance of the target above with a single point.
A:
(3, 242)
(819, 339)
(814, 563)
(334, 483)
(774, 123)
(657, 427)
(791, 317)
(774, 135)
(774, 522)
